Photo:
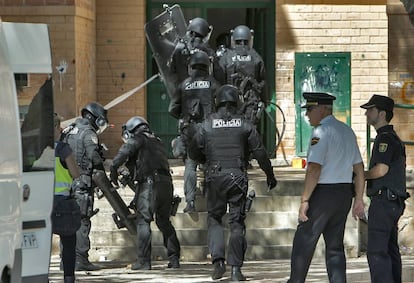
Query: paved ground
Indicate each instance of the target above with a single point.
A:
(275, 271)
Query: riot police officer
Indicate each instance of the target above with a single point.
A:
(224, 142)
(196, 102)
(196, 38)
(386, 187)
(154, 191)
(82, 136)
(244, 67)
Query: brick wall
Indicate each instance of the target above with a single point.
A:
(120, 62)
(85, 57)
(103, 44)
(72, 35)
(359, 29)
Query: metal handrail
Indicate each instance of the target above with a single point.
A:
(370, 140)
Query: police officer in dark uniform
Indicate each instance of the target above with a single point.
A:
(196, 38)
(154, 190)
(333, 158)
(224, 142)
(244, 68)
(82, 136)
(386, 187)
(196, 102)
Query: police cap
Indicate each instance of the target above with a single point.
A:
(381, 102)
(317, 98)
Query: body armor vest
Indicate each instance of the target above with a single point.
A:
(225, 148)
(182, 54)
(395, 179)
(241, 63)
(151, 157)
(197, 97)
(75, 139)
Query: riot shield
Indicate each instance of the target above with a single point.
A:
(122, 216)
(163, 34)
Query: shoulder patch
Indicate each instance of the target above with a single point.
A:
(314, 140)
(197, 85)
(382, 147)
(233, 123)
(94, 139)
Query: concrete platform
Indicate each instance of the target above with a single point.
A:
(271, 271)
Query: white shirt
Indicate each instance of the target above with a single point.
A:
(333, 145)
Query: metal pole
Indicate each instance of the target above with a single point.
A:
(118, 99)
(124, 96)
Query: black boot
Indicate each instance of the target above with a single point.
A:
(236, 274)
(190, 208)
(174, 262)
(219, 269)
(69, 279)
(141, 266)
(86, 266)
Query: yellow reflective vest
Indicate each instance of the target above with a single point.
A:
(63, 180)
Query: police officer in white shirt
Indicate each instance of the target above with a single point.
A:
(333, 159)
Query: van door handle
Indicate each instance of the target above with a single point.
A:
(26, 192)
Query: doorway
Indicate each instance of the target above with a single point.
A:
(223, 16)
(324, 72)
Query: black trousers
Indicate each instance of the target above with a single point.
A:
(83, 242)
(155, 198)
(383, 252)
(328, 210)
(229, 187)
(68, 245)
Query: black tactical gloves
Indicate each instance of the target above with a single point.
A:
(271, 182)
(114, 176)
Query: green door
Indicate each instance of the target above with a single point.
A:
(325, 72)
(258, 15)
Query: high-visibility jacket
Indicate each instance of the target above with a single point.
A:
(63, 179)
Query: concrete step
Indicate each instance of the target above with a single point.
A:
(271, 202)
(196, 253)
(270, 225)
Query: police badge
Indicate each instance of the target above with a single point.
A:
(314, 140)
(382, 147)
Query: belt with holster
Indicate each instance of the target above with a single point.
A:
(163, 172)
(217, 166)
(384, 193)
(155, 176)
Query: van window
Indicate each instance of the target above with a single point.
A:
(37, 128)
(21, 80)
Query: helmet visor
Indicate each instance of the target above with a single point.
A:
(102, 124)
(125, 134)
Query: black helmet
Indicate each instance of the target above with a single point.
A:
(134, 125)
(241, 33)
(227, 93)
(97, 115)
(199, 26)
(199, 57)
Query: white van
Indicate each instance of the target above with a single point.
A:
(27, 154)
